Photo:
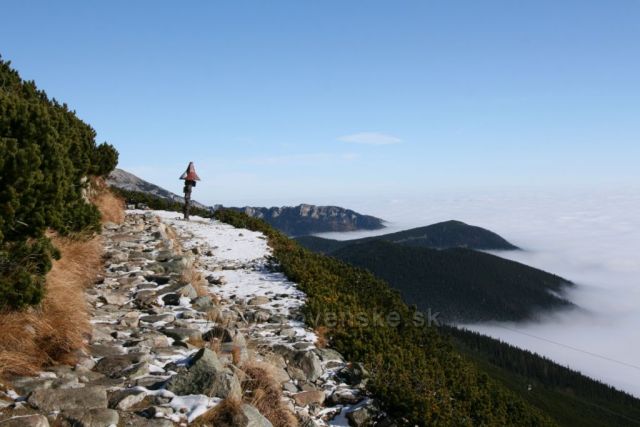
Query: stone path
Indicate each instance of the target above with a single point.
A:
(166, 348)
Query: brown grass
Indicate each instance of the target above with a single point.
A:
(214, 345)
(111, 206)
(263, 391)
(53, 332)
(259, 389)
(192, 276)
(227, 413)
(173, 236)
(322, 341)
(236, 355)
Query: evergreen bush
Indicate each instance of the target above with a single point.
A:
(46, 154)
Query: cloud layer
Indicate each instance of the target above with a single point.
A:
(588, 237)
(370, 138)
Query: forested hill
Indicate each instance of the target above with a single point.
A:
(569, 397)
(436, 268)
(443, 235)
(460, 284)
(47, 156)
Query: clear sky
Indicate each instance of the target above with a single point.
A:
(292, 101)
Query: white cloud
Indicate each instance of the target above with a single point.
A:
(588, 237)
(370, 138)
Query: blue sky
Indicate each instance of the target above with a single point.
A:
(292, 101)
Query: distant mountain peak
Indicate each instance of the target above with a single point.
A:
(306, 218)
(124, 180)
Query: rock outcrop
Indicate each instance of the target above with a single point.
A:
(309, 219)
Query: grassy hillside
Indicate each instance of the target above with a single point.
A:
(461, 284)
(443, 235)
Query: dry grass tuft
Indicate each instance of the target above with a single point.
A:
(192, 276)
(236, 355)
(173, 236)
(227, 413)
(53, 332)
(213, 345)
(111, 206)
(263, 391)
(321, 332)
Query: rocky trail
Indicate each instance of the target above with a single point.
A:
(167, 346)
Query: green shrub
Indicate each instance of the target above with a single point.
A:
(105, 159)
(46, 154)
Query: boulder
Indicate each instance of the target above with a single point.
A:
(203, 303)
(306, 421)
(153, 318)
(124, 400)
(306, 398)
(176, 265)
(114, 299)
(188, 291)
(160, 279)
(145, 298)
(171, 299)
(360, 417)
(205, 375)
(25, 385)
(69, 399)
(254, 417)
(258, 316)
(259, 300)
(103, 350)
(310, 364)
(354, 374)
(26, 421)
(213, 280)
(344, 397)
(118, 366)
(182, 334)
(130, 319)
(218, 332)
(100, 417)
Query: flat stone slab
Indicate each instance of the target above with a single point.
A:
(182, 334)
(69, 398)
(100, 417)
(26, 421)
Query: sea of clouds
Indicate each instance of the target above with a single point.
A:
(590, 237)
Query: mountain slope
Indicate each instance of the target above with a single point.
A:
(450, 234)
(569, 397)
(443, 235)
(461, 284)
(129, 182)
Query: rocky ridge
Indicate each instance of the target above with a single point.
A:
(164, 350)
(307, 219)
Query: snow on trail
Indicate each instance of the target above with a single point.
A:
(253, 278)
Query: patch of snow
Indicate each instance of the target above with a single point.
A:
(194, 405)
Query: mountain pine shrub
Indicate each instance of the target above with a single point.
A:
(46, 154)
